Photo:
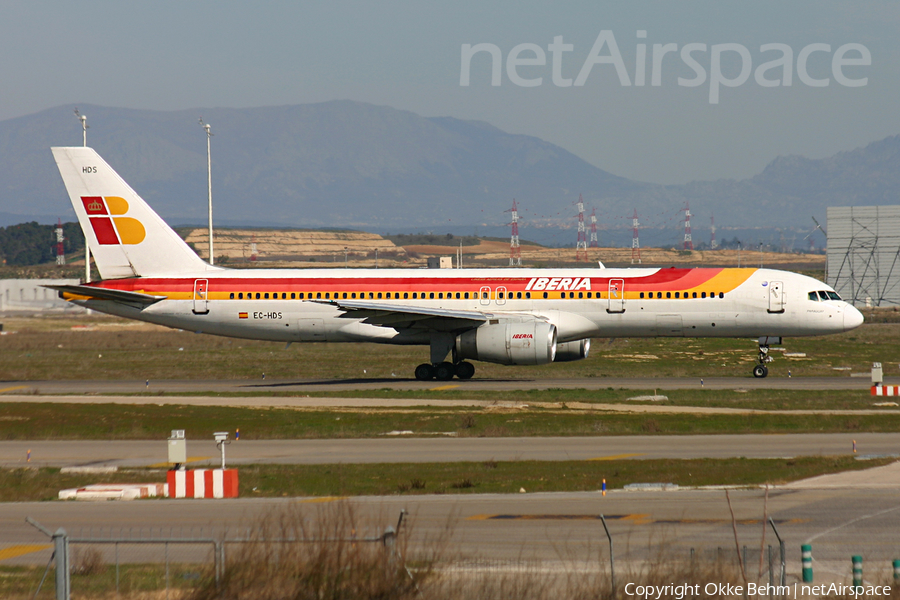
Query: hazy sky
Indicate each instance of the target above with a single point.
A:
(167, 55)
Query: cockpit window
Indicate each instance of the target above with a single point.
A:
(814, 296)
(833, 296)
(823, 295)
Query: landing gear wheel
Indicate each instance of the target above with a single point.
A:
(760, 371)
(424, 372)
(465, 370)
(444, 371)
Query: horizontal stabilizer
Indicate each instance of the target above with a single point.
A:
(98, 293)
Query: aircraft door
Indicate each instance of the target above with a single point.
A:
(485, 294)
(776, 297)
(201, 296)
(501, 295)
(616, 296)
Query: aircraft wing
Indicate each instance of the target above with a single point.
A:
(96, 293)
(407, 317)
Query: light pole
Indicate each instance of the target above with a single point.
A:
(209, 186)
(87, 246)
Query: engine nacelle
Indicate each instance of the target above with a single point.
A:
(569, 351)
(528, 343)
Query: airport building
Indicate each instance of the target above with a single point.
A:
(29, 296)
(863, 258)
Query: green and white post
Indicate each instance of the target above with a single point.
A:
(897, 570)
(806, 556)
(857, 571)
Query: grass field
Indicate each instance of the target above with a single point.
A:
(32, 484)
(37, 421)
(105, 348)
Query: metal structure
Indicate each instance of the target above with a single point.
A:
(515, 253)
(688, 242)
(87, 245)
(635, 240)
(863, 256)
(60, 249)
(209, 134)
(593, 243)
(581, 244)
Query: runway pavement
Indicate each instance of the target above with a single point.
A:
(546, 528)
(243, 386)
(443, 449)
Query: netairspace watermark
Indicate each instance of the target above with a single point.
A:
(685, 590)
(705, 61)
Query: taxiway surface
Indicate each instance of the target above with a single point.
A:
(416, 450)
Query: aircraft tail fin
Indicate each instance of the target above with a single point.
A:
(127, 238)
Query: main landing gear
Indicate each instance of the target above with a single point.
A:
(760, 369)
(444, 371)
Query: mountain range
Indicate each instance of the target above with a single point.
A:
(356, 165)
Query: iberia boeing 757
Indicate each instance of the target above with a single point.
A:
(505, 316)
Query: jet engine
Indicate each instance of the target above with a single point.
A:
(569, 351)
(511, 343)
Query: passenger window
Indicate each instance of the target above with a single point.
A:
(293, 295)
(352, 295)
(528, 295)
(466, 295)
(668, 294)
(388, 296)
(589, 295)
(545, 294)
(721, 294)
(415, 295)
(371, 295)
(676, 294)
(431, 296)
(379, 295)
(327, 295)
(440, 295)
(405, 295)
(695, 295)
(642, 294)
(345, 295)
(703, 294)
(318, 295)
(500, 295)
(659, 294)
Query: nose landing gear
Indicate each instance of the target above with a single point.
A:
(760, 369)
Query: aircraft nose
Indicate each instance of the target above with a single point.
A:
(852, 318)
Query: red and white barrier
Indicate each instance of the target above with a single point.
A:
(203, 483)
(886, 390)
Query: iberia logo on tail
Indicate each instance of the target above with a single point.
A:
(108, 224)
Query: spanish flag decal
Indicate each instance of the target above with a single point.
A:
(242, 315)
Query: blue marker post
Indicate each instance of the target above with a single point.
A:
(603, 489)
(237, 435)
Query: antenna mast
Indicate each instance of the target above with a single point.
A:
(581, 244)
(688, 243)
(635, 240)
(515, 253)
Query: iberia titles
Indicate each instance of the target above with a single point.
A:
(559, 283)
